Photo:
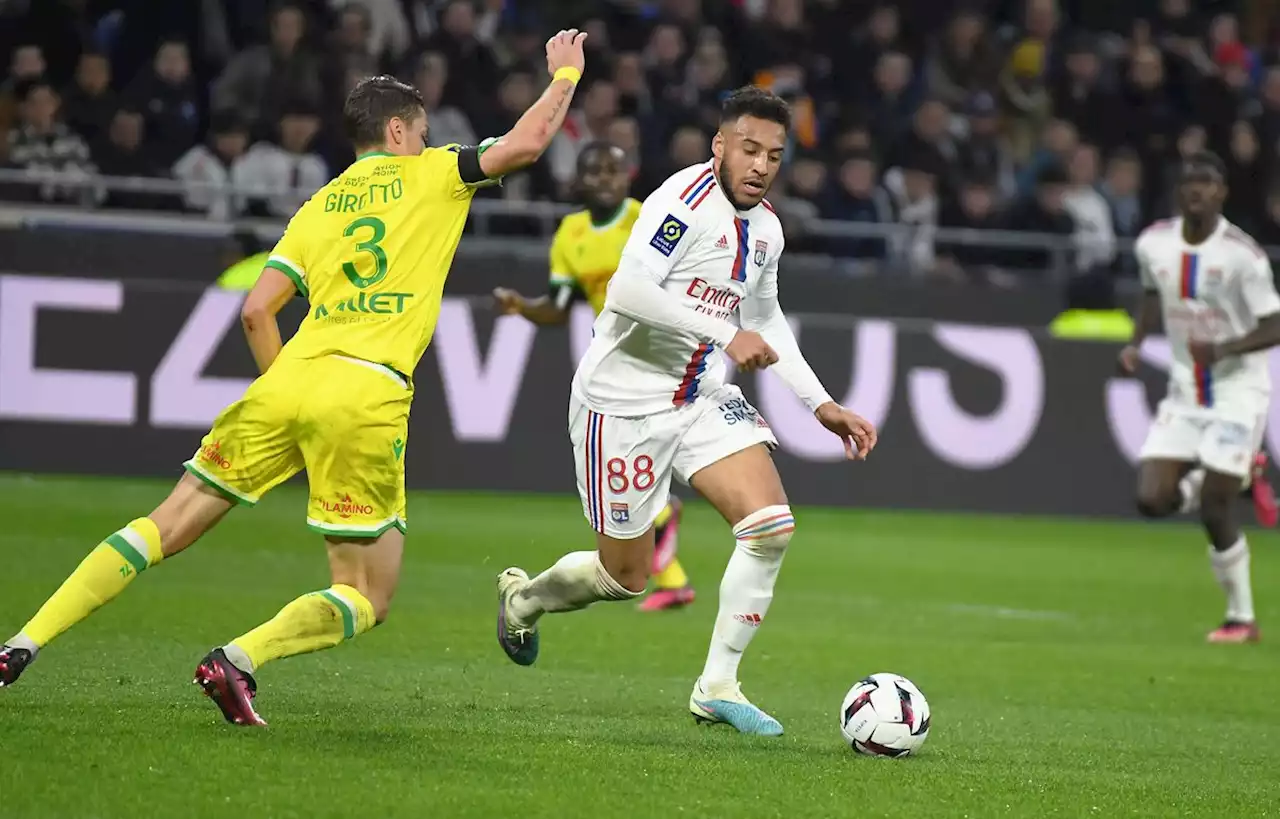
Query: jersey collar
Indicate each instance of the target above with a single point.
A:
(368, 154)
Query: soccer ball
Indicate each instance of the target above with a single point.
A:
(884, 715)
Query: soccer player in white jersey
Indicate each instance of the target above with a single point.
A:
(699, 275)
(1214, 286)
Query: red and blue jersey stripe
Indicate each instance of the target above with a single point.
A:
(699, 189)
(697, 365)
(740, 261)
(1189, 287)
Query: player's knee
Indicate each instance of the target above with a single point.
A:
(1156, 503)
(1215, 509)
(766, 533)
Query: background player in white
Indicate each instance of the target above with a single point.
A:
(1213, 284)
(649, 399)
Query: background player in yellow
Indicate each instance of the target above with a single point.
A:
(584, 254)
(370, 251)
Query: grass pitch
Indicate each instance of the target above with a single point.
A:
(1064, 662)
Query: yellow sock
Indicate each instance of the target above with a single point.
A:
(672, 577)
(314, 621)
(97, 580)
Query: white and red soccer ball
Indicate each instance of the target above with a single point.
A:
(885, 715)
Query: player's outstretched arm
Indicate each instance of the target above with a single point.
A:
(542, 310)
(761, 313)
(530, 137)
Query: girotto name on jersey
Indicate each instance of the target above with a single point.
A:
(717, 301)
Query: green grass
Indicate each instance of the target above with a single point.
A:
(1064, 662)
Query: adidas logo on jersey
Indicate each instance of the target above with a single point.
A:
(723, 244)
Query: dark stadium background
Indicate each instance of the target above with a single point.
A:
(961, 192)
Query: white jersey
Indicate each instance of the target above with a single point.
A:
(716, 262)
(1214, 291)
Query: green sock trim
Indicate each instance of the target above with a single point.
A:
(348, 619)
(115, 541)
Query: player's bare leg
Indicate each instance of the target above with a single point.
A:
(617, 570)
(365, 574)
(746, 490)
(190, 510)
(672, 587)
(1229, 558)
(1256, 486)
(1161, 489)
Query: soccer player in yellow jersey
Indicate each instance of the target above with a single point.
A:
(370, 252)
(584, 254)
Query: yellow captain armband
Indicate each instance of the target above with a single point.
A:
(567, 73)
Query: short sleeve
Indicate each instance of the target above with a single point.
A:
(289, 255)
(1258, 286)
(456, 168)
(662, 234)
(562, 286)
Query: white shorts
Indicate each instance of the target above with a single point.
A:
(1222, 439)
(624, 465)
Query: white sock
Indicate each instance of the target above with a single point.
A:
(747, 589)
(1189, 486)
(21, 640)
(1231, 570)
(575, 581)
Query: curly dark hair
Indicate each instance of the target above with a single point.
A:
(753, 101)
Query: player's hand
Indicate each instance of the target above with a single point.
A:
(1204, 353)
(564, 50)
(1129, 360)
(508, 302)
(750, 351)
(857, 433)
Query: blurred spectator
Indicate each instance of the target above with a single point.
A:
(805, 180)
(587, 123)
(633, 88)
(781, 35)
(516, 93)
(1150, 116)
(861, 55)
(351, 49)
(854, 196)
(166, 96)
(445, 124)
(1057, 145)
(1226, 94)
(122, 153)
(473, 68)
(664, 59)
(1095, 234)
(889, 101)
(1268, 120)
(1122, 188)
(1269, 229)
(1080, 96)
(913, 190)
(25, 63)
(259, 80)
(386, 32)
(963, 61)
(1043, 212)
(624, 132)
(930, 138)
(281, 177)
(985, 155)
(1246, 179)
(89, 103)
(42, 142)
(218, 162)
(974, 209)
(1026, 97)
(708, 75)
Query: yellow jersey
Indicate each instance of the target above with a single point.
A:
(371, 250)
(584, 256)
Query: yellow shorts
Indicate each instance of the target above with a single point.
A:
(344, 420)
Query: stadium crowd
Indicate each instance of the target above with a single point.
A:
(1055, 117)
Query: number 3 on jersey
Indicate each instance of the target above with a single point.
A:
(640, 478)
(367, 245)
